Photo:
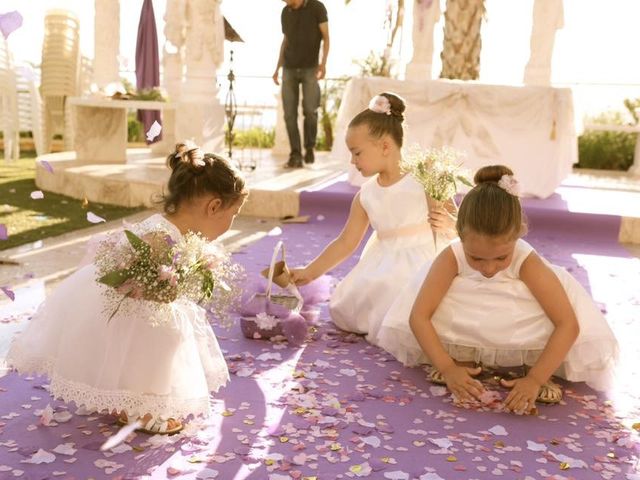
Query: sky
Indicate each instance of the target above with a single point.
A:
(589, 49)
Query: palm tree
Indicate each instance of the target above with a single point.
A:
(462, 41)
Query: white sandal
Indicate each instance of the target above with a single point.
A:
(156, 427)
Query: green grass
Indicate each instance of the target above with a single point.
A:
(29, 220)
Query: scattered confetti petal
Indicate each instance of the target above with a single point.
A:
(37, 195)
(4, 233)
(41, 456)
(46, 165)
(10, 22)
(153, 132)
(93, 218)
(9, 293)
(498, 430)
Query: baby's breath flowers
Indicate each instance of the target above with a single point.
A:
(437, 169)
(157, 270)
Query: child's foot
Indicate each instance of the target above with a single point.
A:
(152, 426)
(550, 393)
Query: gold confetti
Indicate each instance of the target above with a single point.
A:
(451, 458)
(85, 202)
(636, 426)
(269, 462)
(135, 448)
(194, 460)
(385, 459)
(355, 468)
(298, 374)
(310, 478)
(313, 329)
(554, 442)
(227, 413)
(300, 410)
(564, 466)
(335, 447)
(499, 444)
(284, 439)
(246, 421)
(611, 455)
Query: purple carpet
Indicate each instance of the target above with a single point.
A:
(340, 408)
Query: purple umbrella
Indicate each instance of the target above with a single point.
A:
(148, 63)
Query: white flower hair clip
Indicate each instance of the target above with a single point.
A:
(380, 104)
(510, 185)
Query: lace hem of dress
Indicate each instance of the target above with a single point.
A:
(98, 400)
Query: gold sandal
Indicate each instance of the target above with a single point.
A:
(436, 377)
(550, 393)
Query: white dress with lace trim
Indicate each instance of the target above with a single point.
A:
(131, 362)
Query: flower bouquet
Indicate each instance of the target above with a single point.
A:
(157, 269)
(438, 170)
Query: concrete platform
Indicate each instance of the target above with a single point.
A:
(140, 181)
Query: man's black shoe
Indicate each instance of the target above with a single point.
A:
(309, 157)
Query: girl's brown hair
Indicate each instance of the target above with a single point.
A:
(194, 174)
(380, 123)
(490, 210)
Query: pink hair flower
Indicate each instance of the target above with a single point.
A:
(510, 185)
(380, 104)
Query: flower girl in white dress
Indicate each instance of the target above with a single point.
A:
(152, 362)
(395, 205)
(489, 299)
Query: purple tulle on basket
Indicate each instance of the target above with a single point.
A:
(262, 318)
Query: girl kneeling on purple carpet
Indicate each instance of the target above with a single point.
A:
(395, 206)
(153, 358)
(490, 299)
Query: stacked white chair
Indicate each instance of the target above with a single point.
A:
(8, 104)
(60, 70)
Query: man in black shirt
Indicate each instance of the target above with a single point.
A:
(305, 26)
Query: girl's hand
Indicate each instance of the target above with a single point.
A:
(442, 221)
(301, 276)
(461, 384)
(523, 394)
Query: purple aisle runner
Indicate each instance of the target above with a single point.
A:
(340, 408)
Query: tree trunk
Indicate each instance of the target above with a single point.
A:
(462, 41)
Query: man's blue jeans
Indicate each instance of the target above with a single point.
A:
(292, 79)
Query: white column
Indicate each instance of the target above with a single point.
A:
(425, 16)
(107, 42)
(548, 16)
(200, 115)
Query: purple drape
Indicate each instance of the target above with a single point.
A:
(148, 63)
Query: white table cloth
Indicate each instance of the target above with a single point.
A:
(530, 128)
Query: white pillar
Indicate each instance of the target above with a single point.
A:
(107, 42)
(425, 16)
(548, 16)
(200, 115)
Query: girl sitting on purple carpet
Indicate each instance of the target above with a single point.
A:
(490, 299)
(395, 206)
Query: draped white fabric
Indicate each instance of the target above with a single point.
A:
(529, 128)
